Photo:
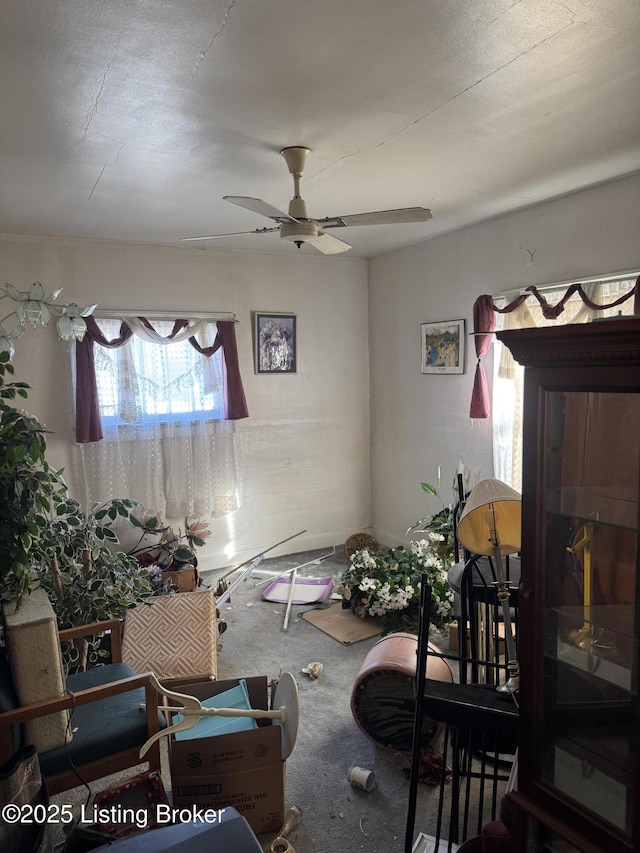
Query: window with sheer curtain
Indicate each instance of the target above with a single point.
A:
(508, 379)
(164, 436)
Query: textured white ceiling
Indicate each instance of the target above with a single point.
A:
(129, 120)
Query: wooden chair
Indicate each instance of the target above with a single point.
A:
(106, 717)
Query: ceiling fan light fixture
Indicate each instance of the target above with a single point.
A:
(298, 232)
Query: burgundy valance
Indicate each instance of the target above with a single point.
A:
(88, 425)
(484, 322)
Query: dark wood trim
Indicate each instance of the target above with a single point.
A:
(600, 342)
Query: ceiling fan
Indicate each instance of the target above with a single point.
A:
(296, 225)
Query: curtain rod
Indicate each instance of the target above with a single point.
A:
(597, 279)
(117, 314)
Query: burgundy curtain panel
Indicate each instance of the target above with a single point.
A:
(484, 322)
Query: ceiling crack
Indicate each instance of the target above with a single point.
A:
(94, 108)
(571, 11)
(203, 54)
(115, 163)
(93, 189)
(502, 14)
(596, 24)
(445, 103)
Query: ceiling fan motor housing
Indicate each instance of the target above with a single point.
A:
(299, 232)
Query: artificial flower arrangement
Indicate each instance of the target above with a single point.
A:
(155, 544)
(388, 585)
(175, 548)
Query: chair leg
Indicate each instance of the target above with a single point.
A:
(476, 781)
(446, 751)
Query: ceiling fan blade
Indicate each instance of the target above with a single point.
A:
(259, 206)
(378, 217)
(232, 234)
(328, 244)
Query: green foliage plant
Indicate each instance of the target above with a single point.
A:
(439, 527)
(29, 488)
(46, 537)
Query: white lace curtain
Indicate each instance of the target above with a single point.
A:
(165, 441)
(508, 380)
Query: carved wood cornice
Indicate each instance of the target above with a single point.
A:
(598, 343)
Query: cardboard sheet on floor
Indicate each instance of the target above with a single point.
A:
(342, 624)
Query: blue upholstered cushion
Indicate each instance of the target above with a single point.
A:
(100, 728)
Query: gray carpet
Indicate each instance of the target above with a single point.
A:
(335, 815)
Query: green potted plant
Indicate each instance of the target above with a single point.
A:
(440, 526)
(28, 488)
(46, 537)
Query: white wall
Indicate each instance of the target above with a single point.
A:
(305, 446)
(421, 421)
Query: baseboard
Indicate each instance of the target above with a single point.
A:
(305, 542)
(389, 540)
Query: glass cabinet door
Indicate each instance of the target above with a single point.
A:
(539, 839)
(579, 743)
(591, 498)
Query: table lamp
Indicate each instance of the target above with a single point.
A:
(490, 526)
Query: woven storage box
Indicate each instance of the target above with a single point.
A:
(36, 665)
(173, 636)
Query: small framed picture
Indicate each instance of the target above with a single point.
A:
(443, 346)
(275, 343)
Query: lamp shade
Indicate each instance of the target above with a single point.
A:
(493, 509)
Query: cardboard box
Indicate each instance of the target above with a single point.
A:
(243, 769)
(454, 638)
(183, 580)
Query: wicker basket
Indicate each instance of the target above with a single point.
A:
(358, 541)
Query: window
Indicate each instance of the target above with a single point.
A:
(508, 379)
(163, 435)
(143, 382)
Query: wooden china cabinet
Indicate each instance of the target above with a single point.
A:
(579, 743)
